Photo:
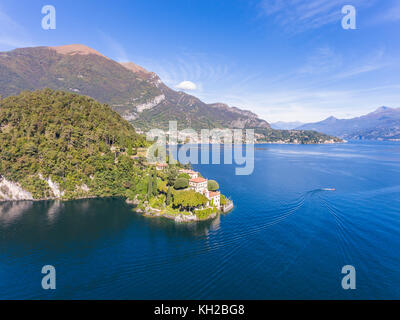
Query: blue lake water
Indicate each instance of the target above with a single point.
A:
(286, 238)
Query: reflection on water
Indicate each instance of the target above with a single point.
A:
(89, 237)
(10, 211)
(84, 220)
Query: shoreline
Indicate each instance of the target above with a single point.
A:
(55, 199)
(151, 212)
(258, 142)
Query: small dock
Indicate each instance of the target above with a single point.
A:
(228, 207)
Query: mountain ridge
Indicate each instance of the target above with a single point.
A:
(138, 95)
(128, 88)
(381, 124)
(283, 125)
(72, 49)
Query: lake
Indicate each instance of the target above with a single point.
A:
(286, 238)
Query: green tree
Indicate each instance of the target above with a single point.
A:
(189, 199)
(223, 200)
(213, 185)
(181, 183)
(162, 186)
(130, 151)
(172, 175)
(168, 200)
(184, 175)
(155, 189)
(149, 187)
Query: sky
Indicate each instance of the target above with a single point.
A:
(285, 60)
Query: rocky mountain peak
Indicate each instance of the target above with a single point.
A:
(73, 49)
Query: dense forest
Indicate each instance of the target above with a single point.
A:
(83, 146)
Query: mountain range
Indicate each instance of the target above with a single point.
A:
(381, 124)
(138, 95)
(282, 125)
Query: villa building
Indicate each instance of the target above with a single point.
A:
(191, 173)
(199, 184)
(214, 197)
(161, 166)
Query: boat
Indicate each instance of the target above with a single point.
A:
(329, 189)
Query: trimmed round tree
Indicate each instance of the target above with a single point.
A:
(181, 183)
(213, 185)
(184, 175)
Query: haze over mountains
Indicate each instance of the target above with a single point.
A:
(381, 124)
(282, 125)
(137, 94)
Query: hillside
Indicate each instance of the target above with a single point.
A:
(62, 145)
(382, 124)
(138, 95)
(135, 93)
(76, 69)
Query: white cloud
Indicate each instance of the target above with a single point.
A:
(324, 84)
(12, 35)
(297, 16)
(117, 50)
(322, 61)
(207, 71)
(391, 14)
(186, 85)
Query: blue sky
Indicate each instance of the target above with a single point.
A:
(284, 60)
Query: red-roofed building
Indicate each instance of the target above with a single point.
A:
(191, 173)
(215, 198)
(161, 166)
(198, 184)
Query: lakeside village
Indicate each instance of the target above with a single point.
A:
(177, 192)
(227, 136)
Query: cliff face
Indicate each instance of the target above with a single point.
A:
(12, 191)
